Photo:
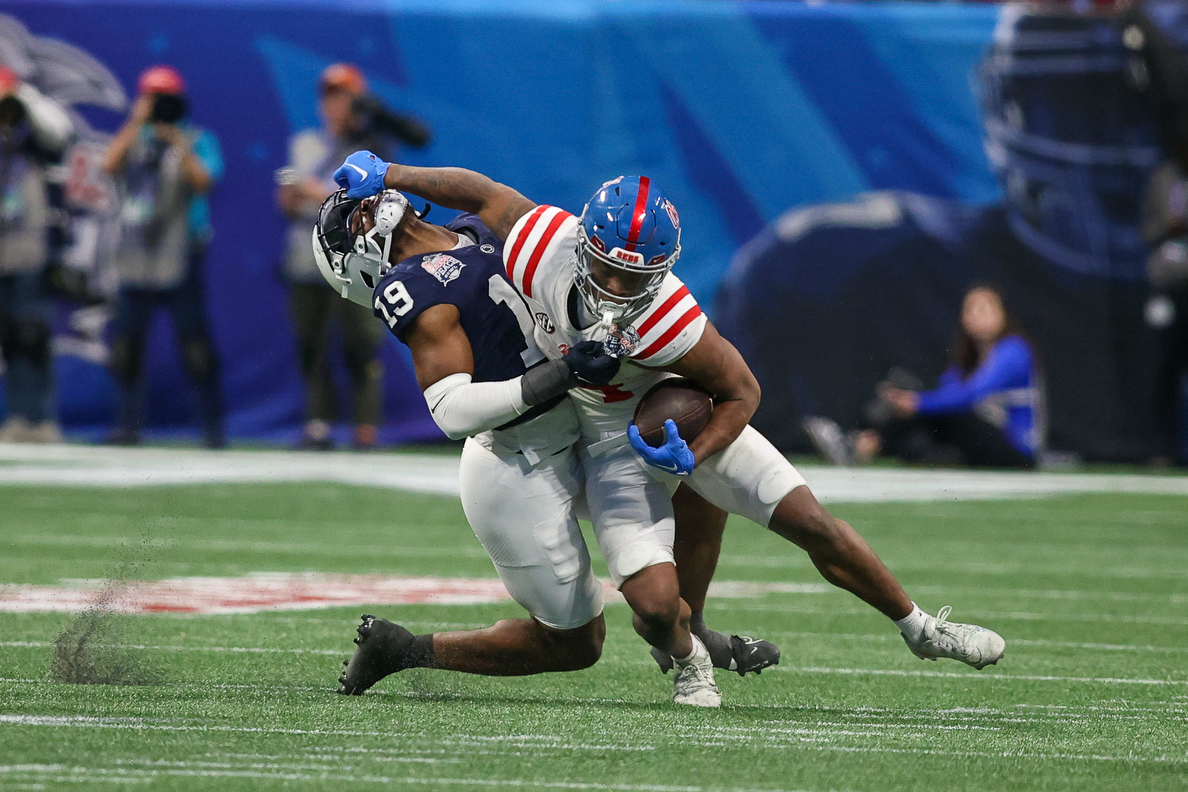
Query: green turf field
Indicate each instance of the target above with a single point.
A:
(1090, 591)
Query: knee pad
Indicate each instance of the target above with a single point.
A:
(200, 360)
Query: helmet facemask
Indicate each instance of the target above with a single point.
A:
(639, 281)
(628, 238)
(352, 257)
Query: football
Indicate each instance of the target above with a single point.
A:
(684, 401)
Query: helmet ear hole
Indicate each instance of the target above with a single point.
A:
(367, 279)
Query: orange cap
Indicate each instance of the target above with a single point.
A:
(161, 80)
(342, 77)
(8, 80)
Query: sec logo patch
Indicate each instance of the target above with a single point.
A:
(544, 322)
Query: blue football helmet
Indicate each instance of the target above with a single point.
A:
(629, 236)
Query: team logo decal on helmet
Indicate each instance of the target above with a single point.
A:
(351, 257)
(629, 236)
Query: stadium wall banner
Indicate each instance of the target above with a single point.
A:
(742, 111)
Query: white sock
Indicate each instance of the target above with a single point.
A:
(684, 660)
(912, 625)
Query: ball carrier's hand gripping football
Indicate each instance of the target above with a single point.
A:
(671, 408)
(672, 457)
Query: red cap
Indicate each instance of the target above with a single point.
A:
(8, 80)
(342, 77)
(161, 80)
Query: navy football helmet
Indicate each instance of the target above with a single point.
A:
(352, 257)
(1071, 136)
(629, 236)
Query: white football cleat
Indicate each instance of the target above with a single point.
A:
(969, 643)
(694, 683)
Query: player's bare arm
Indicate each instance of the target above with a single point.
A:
(718, 367)
(439, 345)
(497, 205)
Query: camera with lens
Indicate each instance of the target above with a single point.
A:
(373, 119)
(167, 109)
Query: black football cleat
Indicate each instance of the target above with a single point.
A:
(738, 653)
(382, 649)
(752, 654)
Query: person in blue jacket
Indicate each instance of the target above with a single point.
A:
(987, 408)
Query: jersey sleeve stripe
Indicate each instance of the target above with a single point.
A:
(670, 333)
(521, 238)
(540, 248)
(640, 212)
(663, 310)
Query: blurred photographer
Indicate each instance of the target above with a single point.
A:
(351, 119)
(34, 134)
(165, 167)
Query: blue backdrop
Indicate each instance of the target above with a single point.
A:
(740, 110)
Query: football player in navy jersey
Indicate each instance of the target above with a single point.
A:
(470, 334)
(554, 259)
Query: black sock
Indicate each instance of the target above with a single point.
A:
(420, 652)
(720, 650)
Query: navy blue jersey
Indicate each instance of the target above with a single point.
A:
(494, 316)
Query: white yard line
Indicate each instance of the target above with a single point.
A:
(104, 466)
(807, 739)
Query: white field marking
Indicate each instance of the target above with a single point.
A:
(804, 742)
(79, 465)
(1059, 594)
(167, 648)
(980, 677)
(745, 607)
(76, 465)
(308, 548)
(193, 685)
(298, 591)
(76, 774)
(539, 742)
(791, 560)
(869, 637)
(894, 638)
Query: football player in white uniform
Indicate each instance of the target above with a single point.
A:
(607, 275)
(443, 292)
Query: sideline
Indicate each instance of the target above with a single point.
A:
(68, 465)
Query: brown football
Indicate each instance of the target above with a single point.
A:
(684, 401)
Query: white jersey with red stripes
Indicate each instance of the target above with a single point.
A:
(541, 256)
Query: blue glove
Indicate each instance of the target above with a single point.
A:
(672, 457)
(362, 174)
(590, 364)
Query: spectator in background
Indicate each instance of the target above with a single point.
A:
(302, 186)
(986, 411)
(34, 134)
(352, 119)
(165, 166)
